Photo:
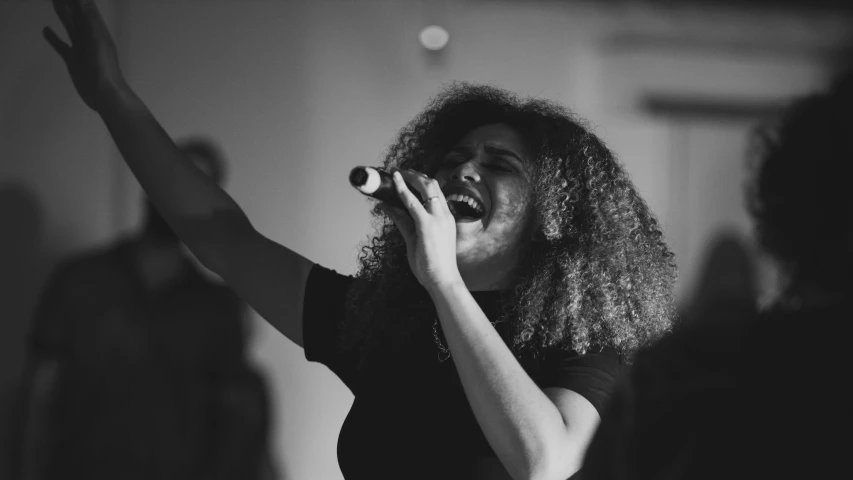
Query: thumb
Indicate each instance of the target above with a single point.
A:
(61, 47)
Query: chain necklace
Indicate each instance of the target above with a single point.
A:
(444, 352)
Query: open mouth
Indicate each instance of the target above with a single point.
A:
(465, 208)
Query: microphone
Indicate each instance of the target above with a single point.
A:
(378, 184)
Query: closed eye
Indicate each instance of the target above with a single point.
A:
(452, 161)
(500, 167)
(494, 163)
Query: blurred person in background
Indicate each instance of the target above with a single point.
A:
(758, 395)
(726, 282)
(137, 365)
(531, 262)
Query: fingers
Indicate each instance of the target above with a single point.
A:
(401, 219)
(83, 22)
(426, 187)
(90, 13)
(410, 201)
(65, 17)
(79, 17)
(62, 48)
(420, 181)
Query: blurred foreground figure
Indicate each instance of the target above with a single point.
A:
(727, 281)
(137, 367)
(758, 395)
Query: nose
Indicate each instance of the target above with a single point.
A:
(467, 171)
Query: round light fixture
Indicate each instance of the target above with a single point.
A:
(434, 37)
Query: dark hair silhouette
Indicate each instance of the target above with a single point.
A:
(800, 193)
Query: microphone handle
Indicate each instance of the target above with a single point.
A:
(385, 190)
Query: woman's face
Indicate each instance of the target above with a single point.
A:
(486, 182)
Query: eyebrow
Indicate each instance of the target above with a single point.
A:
(491, 149)
(502, 151)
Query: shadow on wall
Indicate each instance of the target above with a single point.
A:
(727, 280)
(22, 265)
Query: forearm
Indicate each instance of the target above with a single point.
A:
(523, 426)
(201, 213)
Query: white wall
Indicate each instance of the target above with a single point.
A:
(299, 92)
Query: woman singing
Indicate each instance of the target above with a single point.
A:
(485, 328)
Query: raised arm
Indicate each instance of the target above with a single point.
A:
(270, 277)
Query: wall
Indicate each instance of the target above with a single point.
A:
(57, 176)
(680, 91)
(299, 92)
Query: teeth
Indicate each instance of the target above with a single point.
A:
(455, 197)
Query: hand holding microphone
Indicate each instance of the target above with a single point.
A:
(379, 184)
(428, 228)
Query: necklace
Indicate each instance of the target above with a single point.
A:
(444, 352)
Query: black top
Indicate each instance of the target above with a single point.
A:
(410, 417)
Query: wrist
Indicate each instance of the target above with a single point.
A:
(446, 287)
(115, 96)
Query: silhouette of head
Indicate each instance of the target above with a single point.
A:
(727, 277)
(207, 157)
(799, 195)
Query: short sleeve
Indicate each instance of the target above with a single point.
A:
(593, 376)
(323, 310)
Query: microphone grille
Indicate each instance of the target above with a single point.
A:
(358, 176)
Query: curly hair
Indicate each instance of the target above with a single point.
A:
(798, 194)
(599, 274)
